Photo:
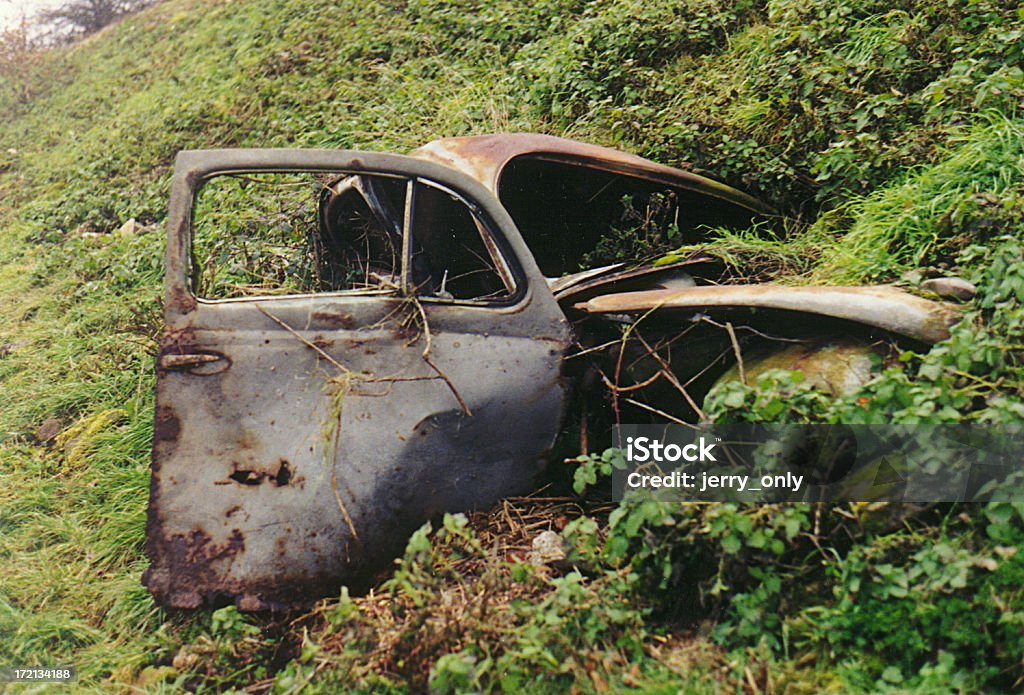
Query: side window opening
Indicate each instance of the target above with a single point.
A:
(264, 234)
(250, 235)
(359, 245)
(449, 256)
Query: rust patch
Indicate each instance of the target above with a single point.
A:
(166, 426)
(176, 341)
(181, 299)
(336, 318)
(280, 476)
(187, 570)
(404, 333)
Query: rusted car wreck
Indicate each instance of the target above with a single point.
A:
(357, 342)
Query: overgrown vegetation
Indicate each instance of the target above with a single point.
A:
(886, 133)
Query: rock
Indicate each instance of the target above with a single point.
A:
(49, 430)
(950, 288)
(548, 548)
(129, 228)
(915, 276)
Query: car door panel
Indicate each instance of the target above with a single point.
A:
(300, 439)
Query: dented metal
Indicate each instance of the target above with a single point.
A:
(886, 308)
(299, 439)
(329, 436)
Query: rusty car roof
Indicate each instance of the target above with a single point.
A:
(484, 157)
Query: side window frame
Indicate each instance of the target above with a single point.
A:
(193, 167)
(503, 260)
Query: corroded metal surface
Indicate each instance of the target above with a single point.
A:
(484, 157)
(883, 307)
(833, 366)
(299, 440)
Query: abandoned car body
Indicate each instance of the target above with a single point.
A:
(417, 351)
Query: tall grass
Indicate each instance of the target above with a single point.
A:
(935, 210)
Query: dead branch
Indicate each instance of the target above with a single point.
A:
(671, 377)
(622, 350)
(596, 348)
(341, 505)
(433, 365)
(302, 339)
(614, 388)
(766, 336)
(736, 350)
(662, 413)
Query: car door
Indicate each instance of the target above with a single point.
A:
(316, 411)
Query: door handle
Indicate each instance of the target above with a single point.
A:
(188, 361)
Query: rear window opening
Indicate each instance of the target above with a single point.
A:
(574, 218)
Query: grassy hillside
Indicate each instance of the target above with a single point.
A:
(886, 132)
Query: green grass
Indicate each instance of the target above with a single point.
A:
(886, 135)
(970, 195)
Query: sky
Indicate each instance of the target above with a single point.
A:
(11, 11)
